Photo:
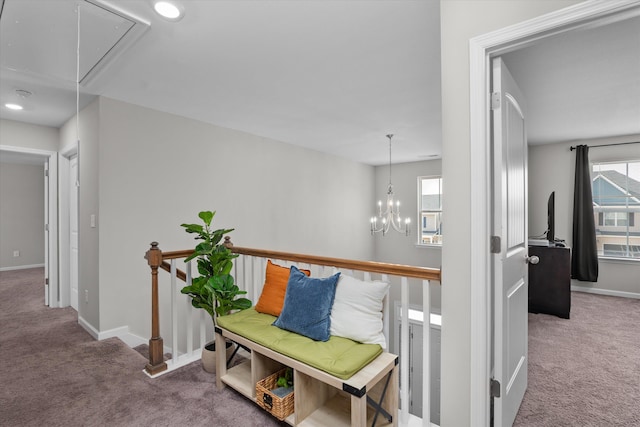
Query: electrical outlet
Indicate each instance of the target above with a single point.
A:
(16, 253)
(86, 295)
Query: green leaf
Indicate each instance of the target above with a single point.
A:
(242, 303)
(204, 248)
(190, 257)
(192, 228)
(207, 216)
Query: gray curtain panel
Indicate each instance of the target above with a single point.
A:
(584, 259)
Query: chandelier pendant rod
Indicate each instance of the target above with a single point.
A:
(391, 215)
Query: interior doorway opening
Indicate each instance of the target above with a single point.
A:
(482, 50)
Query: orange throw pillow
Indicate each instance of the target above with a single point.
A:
(274, 289)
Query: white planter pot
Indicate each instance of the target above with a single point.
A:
(209, 356)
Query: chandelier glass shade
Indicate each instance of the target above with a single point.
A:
(390, 217)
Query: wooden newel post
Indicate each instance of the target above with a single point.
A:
(227, 242)
(156, 345)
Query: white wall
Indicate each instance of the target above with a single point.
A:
(24, 135)
(460, 21)
(552, 168)
(22, 194)
(21, 215)
(158, 170)
(88, 261)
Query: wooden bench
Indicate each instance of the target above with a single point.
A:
(369, 397)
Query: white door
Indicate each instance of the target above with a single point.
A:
(52, 291)
(46, 233)
(509, 245)
(73, 231)
(63, 229)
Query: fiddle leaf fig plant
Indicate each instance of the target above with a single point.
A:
(214, 290)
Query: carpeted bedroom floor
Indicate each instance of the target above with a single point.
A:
(584, 371)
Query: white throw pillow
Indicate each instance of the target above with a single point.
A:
(357, 310)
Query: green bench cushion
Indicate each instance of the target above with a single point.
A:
(339, 357)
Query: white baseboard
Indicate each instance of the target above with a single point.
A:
(21, 267)
(121, 332)
(607, 292)
(115, 332)
(133, 340)
(88, 327)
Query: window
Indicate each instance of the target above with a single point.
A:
(615, 219)
(616, 206)
(430, 210)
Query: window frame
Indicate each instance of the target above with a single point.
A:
(420, 215)
(616, 213)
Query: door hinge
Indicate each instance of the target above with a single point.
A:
(46, 227)
(495, 100)
(494, 388)
(46, 172)
(46, 281)
(495, 244)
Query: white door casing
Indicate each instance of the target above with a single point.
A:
(73, 231)
(510, 253)
(47, 209)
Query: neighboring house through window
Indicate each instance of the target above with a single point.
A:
(430, 210)
(616, 206)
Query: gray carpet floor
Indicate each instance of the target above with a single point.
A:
(53, 373)
(584, 371)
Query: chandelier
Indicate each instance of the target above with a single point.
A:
(391, 215)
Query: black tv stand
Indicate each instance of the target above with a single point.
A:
(550, 281)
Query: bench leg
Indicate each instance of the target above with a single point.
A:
(358, 411)
(221, 360)
(378, 405)
(390, 400)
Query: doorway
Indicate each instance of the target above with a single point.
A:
(482, 50)
(48, 160)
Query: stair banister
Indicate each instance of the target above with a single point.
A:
(156, 360)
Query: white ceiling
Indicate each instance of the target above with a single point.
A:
(582, 84)
(335, 76)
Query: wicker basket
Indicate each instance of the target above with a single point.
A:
(279, 407)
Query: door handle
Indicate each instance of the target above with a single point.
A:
(531, 259)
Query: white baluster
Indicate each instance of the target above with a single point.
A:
(385, 311)
(404, 352)
(189, 313)
(426, 354)
(174, 312)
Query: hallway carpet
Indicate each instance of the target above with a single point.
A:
(53, 373)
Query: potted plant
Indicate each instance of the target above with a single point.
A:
(214, 290)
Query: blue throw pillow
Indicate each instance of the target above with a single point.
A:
(307, 305)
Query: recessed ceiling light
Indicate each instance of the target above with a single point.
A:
(169, 10)
(13, 106)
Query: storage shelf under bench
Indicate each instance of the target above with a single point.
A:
(320, 399)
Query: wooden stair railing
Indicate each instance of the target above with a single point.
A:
(158, 259)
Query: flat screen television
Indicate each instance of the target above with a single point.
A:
(551, 218)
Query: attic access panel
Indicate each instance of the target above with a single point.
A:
(31, 35)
